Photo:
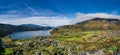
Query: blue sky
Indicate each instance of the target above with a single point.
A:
(62, 9)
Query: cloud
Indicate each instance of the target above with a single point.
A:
(45, 17)
(7, 17)
(57, 20)
(82, 17)
(40, 20)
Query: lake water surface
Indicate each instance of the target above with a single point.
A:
(29, 34)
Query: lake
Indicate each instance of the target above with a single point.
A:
(29, 34)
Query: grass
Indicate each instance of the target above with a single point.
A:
(78, 36)
(8, 51)
(49, 47)
(75, 39)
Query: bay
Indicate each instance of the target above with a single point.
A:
(29, 34)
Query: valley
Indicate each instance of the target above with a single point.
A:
(92, 37)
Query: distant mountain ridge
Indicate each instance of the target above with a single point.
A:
(37, 26)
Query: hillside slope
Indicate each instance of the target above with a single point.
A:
(95, 24)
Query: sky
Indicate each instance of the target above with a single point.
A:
(56, 12)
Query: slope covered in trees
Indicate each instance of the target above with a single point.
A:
(37, 26)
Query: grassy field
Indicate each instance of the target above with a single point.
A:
(78, 36)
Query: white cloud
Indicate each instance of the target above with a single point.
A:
(40, 20)
(82, 17)
(46, 16)
(53, 20)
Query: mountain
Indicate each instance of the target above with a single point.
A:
(6, 29)
(100, 24)
(37, 26)
(95, 24)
